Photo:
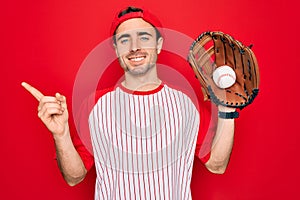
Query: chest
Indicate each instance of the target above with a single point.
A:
(156, 129)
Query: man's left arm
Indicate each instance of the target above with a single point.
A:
(222, 143)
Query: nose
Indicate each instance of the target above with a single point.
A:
(135, 45)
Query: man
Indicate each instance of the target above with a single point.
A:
(143, 132)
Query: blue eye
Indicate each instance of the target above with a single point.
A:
(124, 41)
(144, 38)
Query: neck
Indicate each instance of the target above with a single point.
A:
(145, 82)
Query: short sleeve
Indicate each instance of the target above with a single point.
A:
(81, 135)
(84, 153)
(207, 130)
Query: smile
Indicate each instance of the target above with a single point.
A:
(137, 59)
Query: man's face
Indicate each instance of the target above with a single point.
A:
(137, 46)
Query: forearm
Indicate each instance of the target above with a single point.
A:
(68, 159)
(221, 145)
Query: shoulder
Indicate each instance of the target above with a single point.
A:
(100, 93)
(187, 94)
(91, 100)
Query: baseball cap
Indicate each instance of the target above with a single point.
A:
(138, 13)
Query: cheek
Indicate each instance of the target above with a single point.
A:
(148, 44)
(122, 51)
(122, 62)
(153, 55)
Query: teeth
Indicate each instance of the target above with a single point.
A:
(137, 59)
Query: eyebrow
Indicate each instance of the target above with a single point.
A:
(144, 33)
(123, 36)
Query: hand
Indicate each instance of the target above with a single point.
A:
(51, 110)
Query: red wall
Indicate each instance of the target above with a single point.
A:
(45, 43)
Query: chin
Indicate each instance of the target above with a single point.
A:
(141, 70)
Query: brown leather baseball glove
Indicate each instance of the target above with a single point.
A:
(215, 49)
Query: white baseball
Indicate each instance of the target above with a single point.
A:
(224, 76)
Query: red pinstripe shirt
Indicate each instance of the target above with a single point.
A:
(143, 143)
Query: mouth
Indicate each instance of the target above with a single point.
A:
(136, 58)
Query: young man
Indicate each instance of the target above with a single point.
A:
(143, 132)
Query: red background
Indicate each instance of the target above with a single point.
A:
(45, 42)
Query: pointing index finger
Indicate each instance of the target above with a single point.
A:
(37, 94)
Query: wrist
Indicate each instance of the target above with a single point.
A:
(227, 112)
(228, 115)
(63, 135)
(225, 109)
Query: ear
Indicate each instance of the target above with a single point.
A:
(159, 45)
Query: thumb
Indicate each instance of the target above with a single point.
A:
(61, 99)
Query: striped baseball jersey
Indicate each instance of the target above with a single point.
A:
(143, 143)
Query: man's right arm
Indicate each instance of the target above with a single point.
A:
(68, 159)
(53, 112)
